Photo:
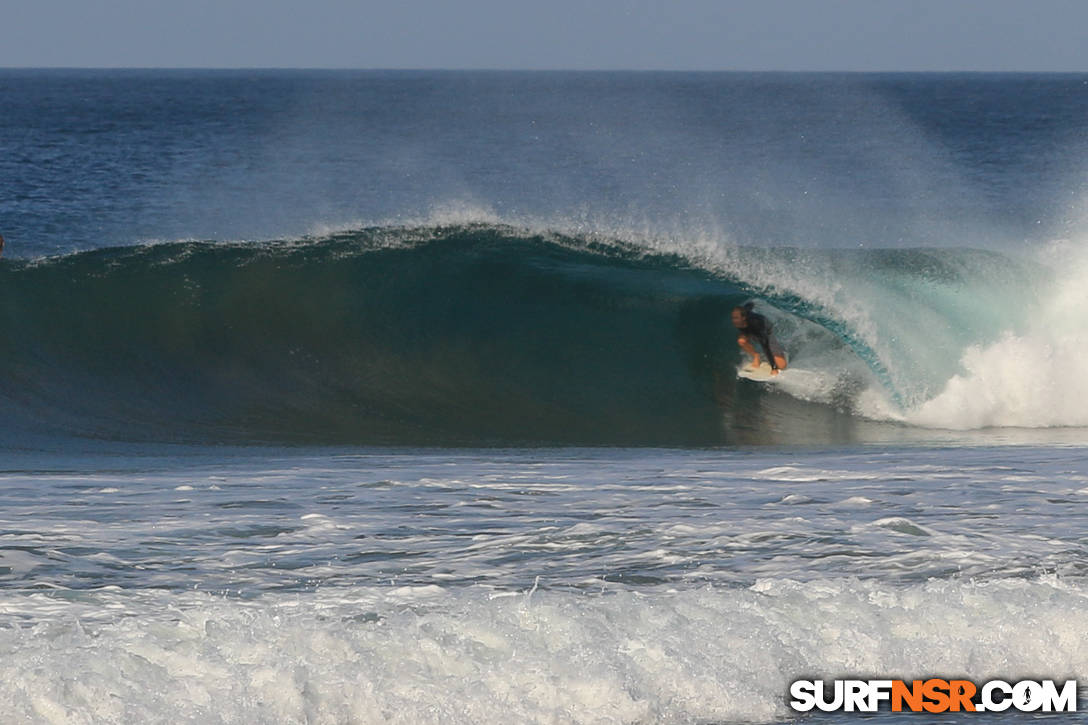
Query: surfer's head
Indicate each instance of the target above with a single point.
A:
(740, 315)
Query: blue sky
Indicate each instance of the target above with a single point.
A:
(860, 35)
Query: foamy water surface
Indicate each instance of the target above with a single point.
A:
(560, 585)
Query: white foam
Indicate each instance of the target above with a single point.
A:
(428, 655)
(1036, 379)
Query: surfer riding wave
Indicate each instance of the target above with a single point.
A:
(755, 328)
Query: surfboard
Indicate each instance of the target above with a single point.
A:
(761, 374)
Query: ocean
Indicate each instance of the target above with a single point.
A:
(412, 397)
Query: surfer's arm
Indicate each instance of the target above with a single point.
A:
(766, 345)
(775, 355)
(763, 335)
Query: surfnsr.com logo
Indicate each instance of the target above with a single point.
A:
(933, 695)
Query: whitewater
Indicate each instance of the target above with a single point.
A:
(568, 586)
(360, 397)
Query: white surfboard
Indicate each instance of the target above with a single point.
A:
(761, 374)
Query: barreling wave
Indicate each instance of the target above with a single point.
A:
(487, 334)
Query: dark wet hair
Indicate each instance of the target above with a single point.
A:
(745, 309)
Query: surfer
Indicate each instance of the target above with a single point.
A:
(755, 328)
(1, 244)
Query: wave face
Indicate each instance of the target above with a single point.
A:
(489, 334)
